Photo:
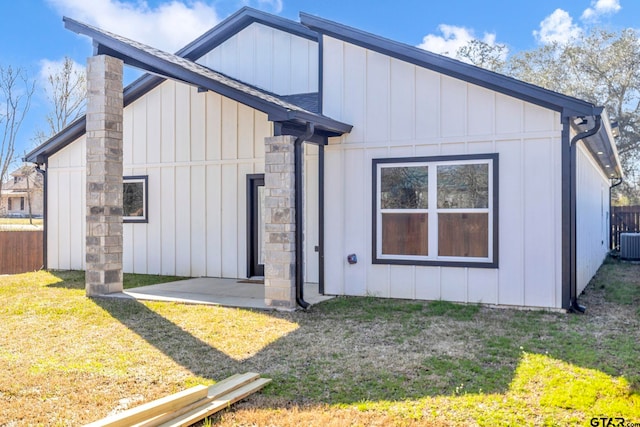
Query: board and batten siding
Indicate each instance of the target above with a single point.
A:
(66, 207)
(398, 109)
(592, 216)
(197, 150)
(268, 58)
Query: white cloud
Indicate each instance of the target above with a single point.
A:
(452, 39)
(557, 27)
(599, 8)
(168, 26)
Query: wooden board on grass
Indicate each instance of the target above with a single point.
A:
(214, 392)
(211, 407)
(153, 409)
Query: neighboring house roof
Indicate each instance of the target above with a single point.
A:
(569, 106)
(292, 108)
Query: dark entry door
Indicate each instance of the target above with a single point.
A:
(255, 225)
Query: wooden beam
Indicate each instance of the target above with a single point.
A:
(215, 391)
(217, 405)
(152, 409)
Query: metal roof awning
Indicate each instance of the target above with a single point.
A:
(162, 65)
(171, 66)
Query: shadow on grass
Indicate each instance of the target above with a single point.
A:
(182, 347)
(350, 350)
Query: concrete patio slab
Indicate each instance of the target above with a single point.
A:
(214, 291)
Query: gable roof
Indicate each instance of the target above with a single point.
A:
(452, 67)
(293, 109)
(601, 145)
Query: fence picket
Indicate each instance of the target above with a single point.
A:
(624, 219)
(20, 251)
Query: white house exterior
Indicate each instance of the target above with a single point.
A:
(444, 180)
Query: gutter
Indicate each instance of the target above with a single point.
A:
(574, 306)
(299, 164)
(44, 212)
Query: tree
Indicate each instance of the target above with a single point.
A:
(16, 90)
(481, 54)
(66, 92)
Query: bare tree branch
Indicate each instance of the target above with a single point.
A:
(16, 90)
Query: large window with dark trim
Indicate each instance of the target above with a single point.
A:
(134, 203)
(436, 210)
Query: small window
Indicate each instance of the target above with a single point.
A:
(436, 210)
(21, 203)
(134, 204)
(9, 203)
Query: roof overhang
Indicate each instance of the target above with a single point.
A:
(601, 145)
(184, 70)
(181, 67)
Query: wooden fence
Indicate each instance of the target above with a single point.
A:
(20, 251)
(624, 219)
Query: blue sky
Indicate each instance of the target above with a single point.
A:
(33, 36)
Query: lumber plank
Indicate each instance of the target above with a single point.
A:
(217, 405)
(215, 391)
(154, 408)
(230, 384)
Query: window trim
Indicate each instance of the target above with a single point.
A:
(145, 198)
(436, 260)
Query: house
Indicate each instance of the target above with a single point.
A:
(22, 194)
(313, 151)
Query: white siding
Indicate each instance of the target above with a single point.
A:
(66, 208)
(268, 58)
(398, 109)
(592, 222)
(197, 149)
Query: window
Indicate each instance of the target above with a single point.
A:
(134, 203)
(436, 210)
(21, 203)
(9, 203)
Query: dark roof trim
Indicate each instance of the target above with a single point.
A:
(181, 69)
(236, 23)
(451, 67)
(60, 140)
(193, 51)
(164, 65)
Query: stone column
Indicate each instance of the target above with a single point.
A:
(279, 222)
(104, 176)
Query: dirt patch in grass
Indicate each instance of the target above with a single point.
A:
(67, 360)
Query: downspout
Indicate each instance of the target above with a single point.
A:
(44, 212)
(574, 307)
(299, 216)
(620, 180)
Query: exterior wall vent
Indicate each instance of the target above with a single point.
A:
(630, 246)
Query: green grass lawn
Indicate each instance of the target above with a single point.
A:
(15, 224)
(20, 221)
(66, 359)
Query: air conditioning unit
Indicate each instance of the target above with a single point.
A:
(630, 245)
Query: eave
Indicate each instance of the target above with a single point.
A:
(450, 67)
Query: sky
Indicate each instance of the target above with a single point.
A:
(34, 38)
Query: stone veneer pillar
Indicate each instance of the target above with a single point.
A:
(104, 176)
(279, 222)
